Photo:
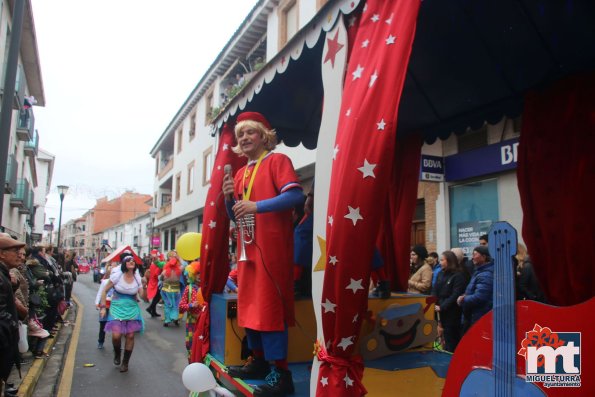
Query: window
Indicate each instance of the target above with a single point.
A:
(288, 21)
(178, 184)
(207, 166)
(418, 225)
(473, 208)
(190, 184)
(320, 3)
(208, 107)
(172, 239)
(473, 139)
(192, 132)
(180, 135)
(157, 164)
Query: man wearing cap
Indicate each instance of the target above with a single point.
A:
(10, 258)
(477, 299)
(267, 189)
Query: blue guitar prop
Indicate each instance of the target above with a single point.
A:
(501, 380)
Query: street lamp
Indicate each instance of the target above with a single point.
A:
(152, 211)
(52, 228)
(62, 189)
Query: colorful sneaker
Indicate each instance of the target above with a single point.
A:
(279, 383)
(254, 368)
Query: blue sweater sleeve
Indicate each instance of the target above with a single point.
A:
(231, 285)
(228, 207)
(284, 201)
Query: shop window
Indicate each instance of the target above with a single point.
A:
(172, 239)
(473, 209)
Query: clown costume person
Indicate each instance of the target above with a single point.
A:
(266, 189)
(191, 302)
(170, 291)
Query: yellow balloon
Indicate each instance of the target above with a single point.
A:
(188, 246)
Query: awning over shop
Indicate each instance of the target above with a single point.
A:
(472, 61)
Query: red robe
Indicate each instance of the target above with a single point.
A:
(265, 290)
(152, 284)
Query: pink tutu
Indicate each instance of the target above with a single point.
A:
(124, 327)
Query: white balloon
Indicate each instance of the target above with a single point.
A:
(198, 378)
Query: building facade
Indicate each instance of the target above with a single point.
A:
(453, 208)
(185, 152)
(22, 210)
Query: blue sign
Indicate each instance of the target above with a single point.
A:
(489, 159)
(432, 168)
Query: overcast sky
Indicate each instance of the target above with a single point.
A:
(115, 72)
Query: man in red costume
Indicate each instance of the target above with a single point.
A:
(266, 189)
(152, 277)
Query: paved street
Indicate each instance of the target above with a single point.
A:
(155, 367)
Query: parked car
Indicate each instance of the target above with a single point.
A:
(84, 267)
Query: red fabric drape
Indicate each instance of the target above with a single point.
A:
(394, 237)
(214, 261)
(364, 152)
(556, 172)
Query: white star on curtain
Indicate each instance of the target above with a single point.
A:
(357, 73)
(328, 306)
(367, 169)
(354, 215)
(355, 285)
(345, 342)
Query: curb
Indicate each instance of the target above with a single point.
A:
(31, 378)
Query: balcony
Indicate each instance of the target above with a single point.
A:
(163, 211)
(19, 86)
(20, 197)
(166, 168)
(12, 168)
(28, 206)
(26, 125)
(32, 146)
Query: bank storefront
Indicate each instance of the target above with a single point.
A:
(480, 188)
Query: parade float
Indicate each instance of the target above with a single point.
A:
(365, 83)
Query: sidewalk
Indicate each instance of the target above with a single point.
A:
(44, 374)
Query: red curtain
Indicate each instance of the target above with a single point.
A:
(214, 261)
(361, 174)
(394, 237)
(556, 173)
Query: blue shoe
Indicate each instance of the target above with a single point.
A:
(100, 345)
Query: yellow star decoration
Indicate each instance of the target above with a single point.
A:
(321, 264)
(329, 18)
